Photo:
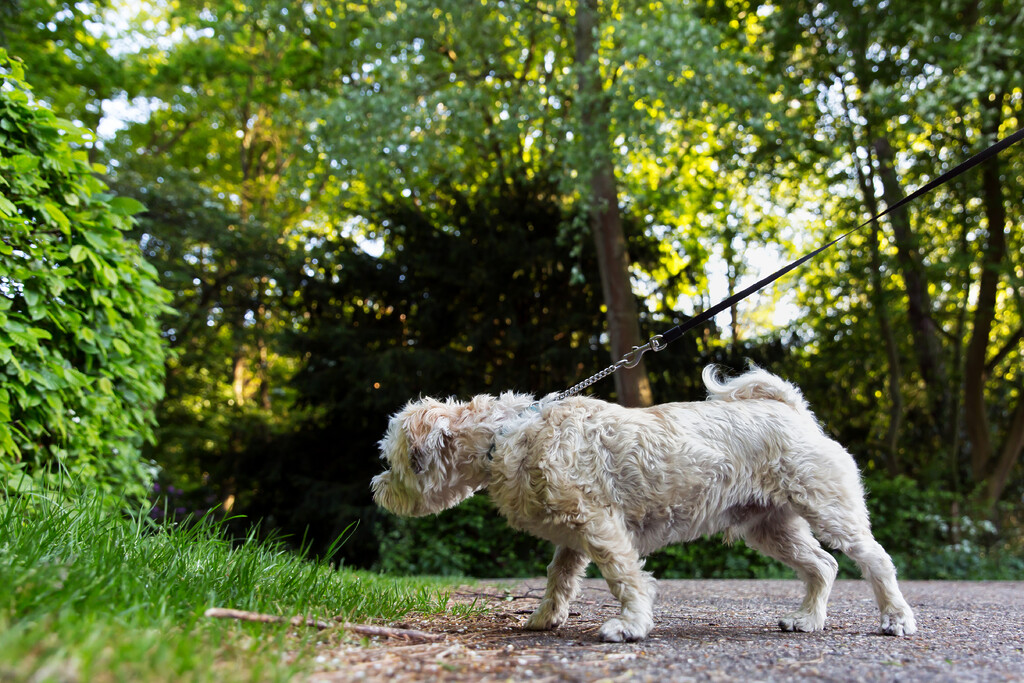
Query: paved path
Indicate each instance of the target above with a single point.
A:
(712, 631)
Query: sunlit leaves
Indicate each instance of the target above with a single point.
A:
(933, 82)
(81, 359)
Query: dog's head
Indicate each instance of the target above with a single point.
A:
(431, 463)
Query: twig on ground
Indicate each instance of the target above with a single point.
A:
(242, 615)
(501, 597)
(408, 635)
(530, 611)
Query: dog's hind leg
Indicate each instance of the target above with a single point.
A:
(839, 516)
(845, 526)
(782, 535)
(564, 574)
(608, 545)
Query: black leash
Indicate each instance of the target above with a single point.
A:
(660, 341)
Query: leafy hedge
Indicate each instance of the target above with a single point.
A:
(81, 356)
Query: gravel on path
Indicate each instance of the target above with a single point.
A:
(709, 630)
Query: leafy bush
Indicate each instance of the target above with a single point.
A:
(930, 536)
(712, 558)
(469, 540)
(81, 357)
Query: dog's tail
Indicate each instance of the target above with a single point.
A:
(753, 384)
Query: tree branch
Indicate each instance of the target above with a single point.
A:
(153, 149)
(1011, 451)
(410, 635)
(1005, 350)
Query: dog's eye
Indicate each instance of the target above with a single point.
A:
(417, 460)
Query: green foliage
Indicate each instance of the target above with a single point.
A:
(224, 386)
(355, 205)
(87, 595)
(377, 330)
(470, 540)
(930, 537)
(69, 53)
(713, 558)
(222, 161)
(902, 320)
(81, 358)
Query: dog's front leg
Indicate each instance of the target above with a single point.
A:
(610, 548)
(564, 574)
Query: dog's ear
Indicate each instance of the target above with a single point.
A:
(430, 435)
(440, 436)
(417, 461)
(436, 443)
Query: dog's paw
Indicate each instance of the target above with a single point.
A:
(805, 622)
(620, 631)
(899, 624)
(546, 617)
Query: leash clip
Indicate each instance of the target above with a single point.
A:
(632, 359)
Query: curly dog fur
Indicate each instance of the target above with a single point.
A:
(610, 485)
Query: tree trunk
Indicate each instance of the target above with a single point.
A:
(975, 415)
(879, 302)
(239, 381)
(631, 385)
(919, 307)
(1012, 448)
(732, 268)
(264, 374)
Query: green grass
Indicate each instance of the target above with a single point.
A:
(90, 595)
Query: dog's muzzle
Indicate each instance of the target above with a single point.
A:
(389, 494)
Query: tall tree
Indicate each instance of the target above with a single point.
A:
(624, 100)
(912, 104)
(631, 384)
(222, 160)
(72, 64)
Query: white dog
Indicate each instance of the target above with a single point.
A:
(610, 484)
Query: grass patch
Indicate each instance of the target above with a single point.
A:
(89, 595)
